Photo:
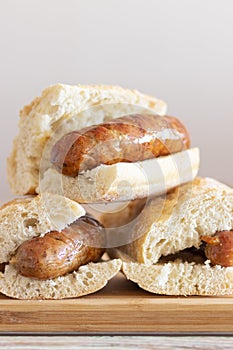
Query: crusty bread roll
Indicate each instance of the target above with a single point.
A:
(25, 218)
(63, 108)
(168, 226)
(125, 181)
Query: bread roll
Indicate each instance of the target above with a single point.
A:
(25, 218)
(168, 226)
(60, 109)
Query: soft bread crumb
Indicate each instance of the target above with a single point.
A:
(86, 280)
(181, 278)
(25, 218)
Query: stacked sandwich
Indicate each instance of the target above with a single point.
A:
(85, 148)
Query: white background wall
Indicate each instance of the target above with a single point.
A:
(178, 50)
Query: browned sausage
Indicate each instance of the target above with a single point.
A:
(58, 253)
(131, 138)
(219, 248)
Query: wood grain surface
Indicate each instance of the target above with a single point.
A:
(119, 308)
(117, 342)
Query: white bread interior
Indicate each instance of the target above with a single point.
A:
(172, 223)
(86, 280)
(25, 218)
(63, 108)
(202, 207)
(181, 278)
(125, 181)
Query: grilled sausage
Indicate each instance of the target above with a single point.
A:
(219, 248)
(58, 253)
(131, 138)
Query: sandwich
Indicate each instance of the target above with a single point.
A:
(182, 244)
(99, 144)
(51, 249)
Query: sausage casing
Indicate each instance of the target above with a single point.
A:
(130, 138)
(219, 248)
(58, 253)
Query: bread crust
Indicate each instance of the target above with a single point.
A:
(63, 108)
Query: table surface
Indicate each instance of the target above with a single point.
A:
(118, 342)
(119, 308)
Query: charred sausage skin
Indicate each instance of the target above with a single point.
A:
(130, 138)
(58, 253)
(219, 248)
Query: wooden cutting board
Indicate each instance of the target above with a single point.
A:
(120, 307)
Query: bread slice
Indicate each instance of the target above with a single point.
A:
(125, 181)
(181, 278)
(25, 218)
(185, 274)
(86, 280)
(172, 223)
(63, 108)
